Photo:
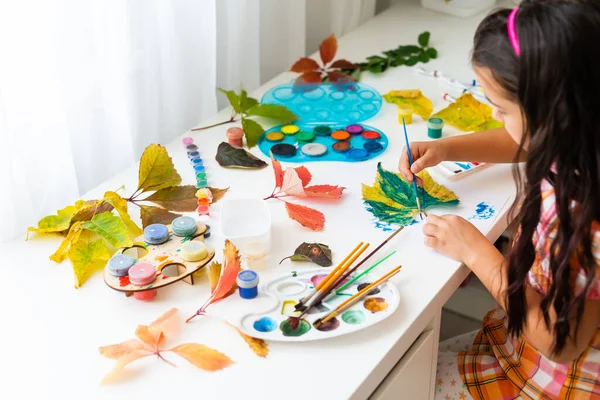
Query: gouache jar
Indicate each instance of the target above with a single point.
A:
(247, 282)
(434, 127)
(405, 111)
(235, 137)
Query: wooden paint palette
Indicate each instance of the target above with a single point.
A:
(288, 289)
(170, 267)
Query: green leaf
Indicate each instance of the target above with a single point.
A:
(376, 59)
(178, 198)
(156, 215)
(246, 102)
(399, 60)
(156, 169)
(120, 204)
(111, 228)
(355, 74)
(406, 51)
(424, 57)
(432, 53)
(318, 253)
(234, 99)
(87, 257)
(234, 157)
(273, 111)
(252, 130)
(424, 39)
(413, 60)
(375, 68)
(91, 208)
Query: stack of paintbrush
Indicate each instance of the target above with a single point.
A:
(333, 282)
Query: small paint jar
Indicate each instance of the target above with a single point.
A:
(187, 141)
(247, 282)
(202, 210)
(191, 147)
(193, 154)
(405, 111)
(198, 169)
(120, 264)
(434, 127)
(235, 137)
(196, 161)
(142, 274)
(255, 254)
(146, 295)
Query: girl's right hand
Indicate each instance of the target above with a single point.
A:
(424, 154)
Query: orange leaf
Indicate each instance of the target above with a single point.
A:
(229, 272)
(327, 49)
(168, 323)
(202, 356)
(304, 175)
(309, 78)
(305, 64)
(328, 191)
(116, 351)
(151, 336)
(343, 64)
(307, 217)
(292, 184)
(278, 172)
(122, 362)
(337, 76)
(258, 346)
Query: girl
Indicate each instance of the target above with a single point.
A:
(540, 67)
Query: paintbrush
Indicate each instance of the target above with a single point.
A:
(357, 277)
(410, 160)
(356, 298)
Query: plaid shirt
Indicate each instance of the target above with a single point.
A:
(501, 367)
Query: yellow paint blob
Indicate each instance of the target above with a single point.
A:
(274, 136)
(290, 129)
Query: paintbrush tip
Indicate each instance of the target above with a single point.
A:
(317, 324)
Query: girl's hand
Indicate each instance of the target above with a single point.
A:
(424, 154)
(455, 237)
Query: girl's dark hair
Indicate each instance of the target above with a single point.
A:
(556, 81)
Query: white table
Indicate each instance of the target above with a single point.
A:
(50, 332)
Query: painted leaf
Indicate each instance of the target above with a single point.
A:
(217, 193)
(343, 64)
(304, 175)
(122, 362)
(63, 250)
(252, 131)
(307, 217)
(278, 172)
(177, 198)
(116, 351)
(305, 64)
(120, 204)
(292, 184)
(258, 346)
(422, 105)
(324, 191)
(203, 357)
(392, 199)
(156, 215)
(87, 257)
(57, 223)
(327, 49)
(234, 157)
(156, 169)
(233, 98)
(246, 102)
(214, 273)
(309, 78)
(169, 323)
(317, 253)
(469, 115)
(273, 111)
(109, 227)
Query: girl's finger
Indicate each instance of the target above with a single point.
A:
(431, 230)
(434, 219)
(432, 242)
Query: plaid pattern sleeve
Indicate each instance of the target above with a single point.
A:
(502, 367)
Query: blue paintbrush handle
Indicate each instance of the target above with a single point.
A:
(410, 159)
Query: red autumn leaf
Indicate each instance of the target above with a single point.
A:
(278, 171)
(343, 64)
(304, 175)
(309, 77)
(326, 191)
(305, 64)
(327, 49)
(336, 76)
(307, 217)
(292, 184)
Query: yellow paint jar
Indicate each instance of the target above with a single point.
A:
(406, 111)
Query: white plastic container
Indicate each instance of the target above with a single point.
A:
(459, 8)
(247, 224)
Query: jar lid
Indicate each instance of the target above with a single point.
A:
(247, 279)
(235, 133)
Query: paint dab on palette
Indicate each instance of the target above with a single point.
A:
(484, 211)
(375, 304)
(286, 328)
(316, 279)
(364, 285)
(265, 324)
(354, 317)
(329, 326)
(289, 308)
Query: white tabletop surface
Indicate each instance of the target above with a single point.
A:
(51, 332)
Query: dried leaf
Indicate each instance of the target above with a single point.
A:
(214, 273)
(318, 253)
(252, 131)
(63, 250)
(292, 184)
(304, 175)
(169, 323)
(421, 105)
(278, 172)
(116, 351)
(232, 157)
(258, 346)
(305, 64)
(87, 258)
(202, 356)
(151, 336)
(156, 169)
(109, 227)
(309, 78)
(156, 215)
(60, 222)
(177, 198)
(120, 204)
(306, 216)
(327, 49)
(324, 191)
(217, 193)
(469, 114)
(342, 64)
(273, 111)
(122, 362)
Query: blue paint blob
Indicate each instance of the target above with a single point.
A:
(484, 210)
(265, 324)
(384, 226)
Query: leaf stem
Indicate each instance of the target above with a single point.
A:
(199, 312)
(232, 119)
(164, 359)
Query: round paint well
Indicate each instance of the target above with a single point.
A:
(290, 288)
(290, 129)
(364, 285)
(375, 304)
(265, 324)
(341, 147)
(322, 130)
(372, 146)
(302, 328)
(305, 136)
(314, 149)
(284, 150)
(354, 317)
(329, 326)
(357, 154)
(354, 129)
(274, 136)
(340, 135)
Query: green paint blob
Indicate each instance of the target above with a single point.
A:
(353, 317)
(294, 273)
(286, 328)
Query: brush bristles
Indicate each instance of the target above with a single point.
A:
(317, 324)
(294, 323)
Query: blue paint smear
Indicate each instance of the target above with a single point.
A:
(265, 324)
(484, 211)
(386, 227)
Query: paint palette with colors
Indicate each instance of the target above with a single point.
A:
(286, 291)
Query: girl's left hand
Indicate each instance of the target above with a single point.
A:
(454, 237)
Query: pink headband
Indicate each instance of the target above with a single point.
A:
(512, 32)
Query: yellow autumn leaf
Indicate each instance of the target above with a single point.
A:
(202, 356)
(60, 222)
(421, 105)
(156, 169)
(63, 250)
(434, 189)
(469, 115)
(111, 228)
(87, 257)
(214, 273)
(258, 346)
(120, 204)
